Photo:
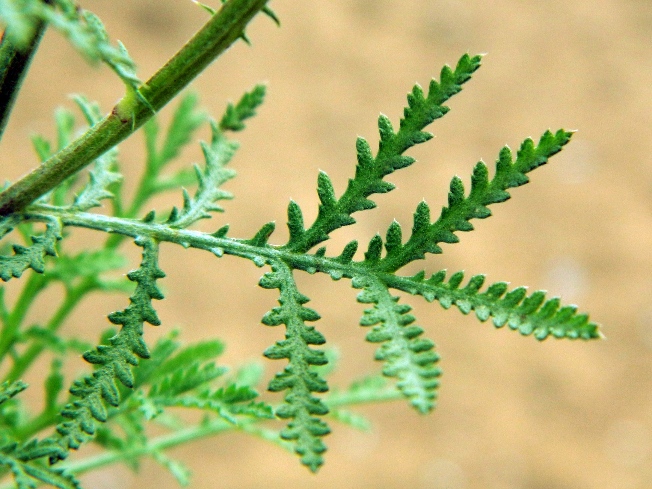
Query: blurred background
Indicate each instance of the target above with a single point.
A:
(513, 413)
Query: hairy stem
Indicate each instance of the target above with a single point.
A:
(224, 28)
(14, 64)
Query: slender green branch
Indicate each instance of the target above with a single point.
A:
(163, 442)
(531, 315)
(219, 425)
(14, 64)
(70, 301)
(135, 109)
(33, 287)
(342, 399)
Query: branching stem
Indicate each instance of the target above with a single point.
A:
(224, 28)
(218, 426)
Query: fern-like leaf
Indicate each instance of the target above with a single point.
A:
(461, 209)
(11, 389)
(228, 403)
(305, 429)
(235, 115)
(421, 111)
(102, 175)
(178, 469)
(33, 256)
(406, 356)
(529, 314)
(114, 362)
(164, 363)
(54, 342)
(186, 379)
(89, 265)
(29, 475)
(217, 156)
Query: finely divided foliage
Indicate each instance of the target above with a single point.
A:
(301, 407)
(82, 28)
(131, 384)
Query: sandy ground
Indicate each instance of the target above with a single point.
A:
(513, 413)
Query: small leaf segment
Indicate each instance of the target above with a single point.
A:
(407, 356)
(11, 389)
(217, 155)
(461, 209)
(529, 314)
(32, 256)
(103, 174)
(298, 378)
(29, 475)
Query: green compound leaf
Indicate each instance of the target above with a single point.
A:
(298, 378)
(29, 475)
(11, 389)
(217, 156)
(529, 314)
(203, 351)
(406, 356)
(83, 29)
(178, 469)
(33, 256)
(421, 111)
(87, 264)
(461, 209)
(54, 342)
(103, 174)
(235, 115)
(53, 385)
(114, 362)
(101, 177)
(186, 379)
(227, 402)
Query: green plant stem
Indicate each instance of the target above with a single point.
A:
(210, 428)
(70, 301)
(224, 28)
(367, 396)
(14, 64)
(215, 427)
(35, 283)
